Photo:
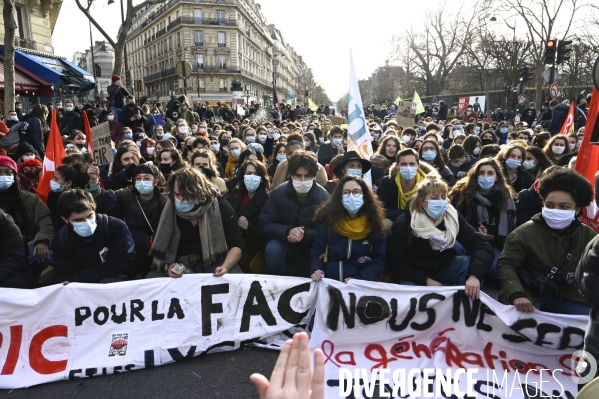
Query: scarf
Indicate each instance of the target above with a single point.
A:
(423, 227)
(230, 168)
(403, 198)
(212, 235)
(355, 229)
(483, 214)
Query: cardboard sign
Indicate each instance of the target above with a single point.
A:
(336, 120)
(102, 144)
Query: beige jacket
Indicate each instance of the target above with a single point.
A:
(281, 175)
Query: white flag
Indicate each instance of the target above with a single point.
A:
(357, 131)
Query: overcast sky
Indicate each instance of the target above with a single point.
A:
(322, 31)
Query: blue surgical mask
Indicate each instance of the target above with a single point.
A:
(529, 164)
(215, 148)
(352, 203)
(55, 187)
(408, 172)
(6, 182)
(353, 172)
(376, 136)
(184, 206)
(436, 208)
(281, 158)
(429, 155)
(252, 182)
(457, 164)
(337, 142)
(486, 183)
(250, 139)
(144, 187)
(128, 136)
(504, 130)
(477, 129)
(476, 150)
(512, 163)
(85, 229)
(235, 153)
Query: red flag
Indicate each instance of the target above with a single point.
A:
(53, 159)
(569, 122)
(587, 161)
(88, 134)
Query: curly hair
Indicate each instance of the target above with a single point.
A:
(548, 146)
(569, 181)
(260, 171)
(464, 190)
(193, 186)
(331, 212)
(76, 174)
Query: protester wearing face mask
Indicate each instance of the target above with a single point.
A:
(395, 190)
(181, 132)
(350, 234)
(26, 152)
(310, 142)
(472, 145)
(295, 143)
(558, 244)
(378, 170)
(459, 161)
(236, 146)
(148, 149)
(536, 162)
(248, 198)
(423, 243)
(70, 120)
(198, 230)
(511, 158)
(170, 162)
(205, 161)
(249, 136)
(279, 155)
(29, 173)
(13, 119)
(140, 206)
(286, 220)
(66, 177)
(470, 116)
(335, 146)
(502, 132)
(116, 128)
(29, 213)
(556, 148)
(121, 175)
(430, 153)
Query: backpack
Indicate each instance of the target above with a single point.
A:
(14, 135)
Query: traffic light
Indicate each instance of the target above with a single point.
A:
(550, 46)
(562, 50)
(526, 74)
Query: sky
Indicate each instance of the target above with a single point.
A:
(322, 31)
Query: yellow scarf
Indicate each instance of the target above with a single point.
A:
(230, 166)
(353, 229)
(403, 198)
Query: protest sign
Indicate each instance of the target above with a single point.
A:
(336, 120)
(102, 144)
(437, 340)
(84, 330)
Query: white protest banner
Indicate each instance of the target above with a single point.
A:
(102, 144)
(84, 330)
(384, 340)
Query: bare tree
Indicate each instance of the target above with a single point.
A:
(119, 44)
(10, 27)
(542, 19)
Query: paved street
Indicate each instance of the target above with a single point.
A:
(220, 375)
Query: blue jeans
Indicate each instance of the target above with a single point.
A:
(277, 252)
(453, 273)
(493, 271)
(117, 113)
(37, 267)
(567, 306)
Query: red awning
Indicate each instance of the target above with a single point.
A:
(27, 84)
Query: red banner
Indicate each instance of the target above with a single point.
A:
(53, 159)
(568, 125)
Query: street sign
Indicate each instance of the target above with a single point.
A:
(183, 69)
(596, 74)
(554, 90)
(547, 75)
(521, 99)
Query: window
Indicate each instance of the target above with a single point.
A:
(222, 85)
(221, 39)
(199, 38)
(220, 16)
(22, 20)
(178, 39)
(222, 62)
(201, 83)
(197, 15)
(200, 60)
(170, 43)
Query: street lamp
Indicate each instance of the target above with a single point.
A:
(125, 48)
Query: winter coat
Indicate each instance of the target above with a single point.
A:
(326, 152)
(12, 250)
(529, 204)
(545, 251)
(523, 181)
(283, 212)
(413, 259)
(128, 113)
(587, 273)
(529, 115)
(557, 120)
(69, 122)
(366, 260)
(388, 192)
(85, 260)
(38, 216)
(116, 96)
(461, 171)
(254, 241)
(442, 115)
(34, 134)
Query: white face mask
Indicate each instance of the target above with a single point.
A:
(111, 117)
(302, 187)
(85, 229)
(150, 150)
(182, 129)
(28, 157)
(558, 150)
(558, 219)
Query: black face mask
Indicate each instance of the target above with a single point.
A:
(166, 168)
(487, 141)
(131, 105)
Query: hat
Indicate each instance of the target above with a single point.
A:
(503, 123)
(545, 103)
(213, 138)
(524, 123)
(376, 127)
(139, 136)
(553, 103)
(256, 147)
(7, 161)
(167, 136)
(30, 162)
(351, 156)
(115, 78)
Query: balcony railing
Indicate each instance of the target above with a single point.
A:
(25, 43)
(152, 77)
(201, 21)
(199, 44)
(223, 89)
(168, 72)
(201, 90)
(215, 70)
(222, 45)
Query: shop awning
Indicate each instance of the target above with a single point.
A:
(27, 83)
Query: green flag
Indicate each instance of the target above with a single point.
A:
(397, 101)
(417, 106)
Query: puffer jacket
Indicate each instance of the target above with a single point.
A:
(12, 250)
(557, 119)
(412, 258)
(283, 212)
(587, 273)
(366, 260)
(461, 171)
(547, 250)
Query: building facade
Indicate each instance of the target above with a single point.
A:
(104, 59)
(35, 22)
(223, 40)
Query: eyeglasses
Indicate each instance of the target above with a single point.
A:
(356, 193)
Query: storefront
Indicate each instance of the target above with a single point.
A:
(27, 84)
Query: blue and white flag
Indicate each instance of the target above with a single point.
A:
(357, 131)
